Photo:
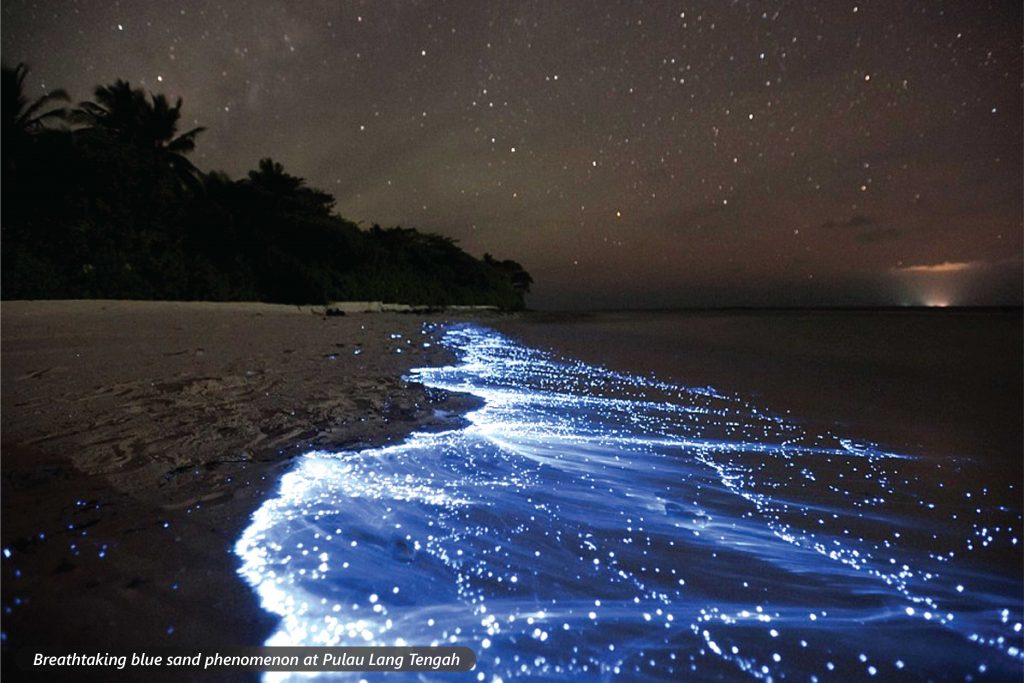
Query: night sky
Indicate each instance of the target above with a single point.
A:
(628, 154)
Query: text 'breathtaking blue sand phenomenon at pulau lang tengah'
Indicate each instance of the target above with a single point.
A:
(590, 524)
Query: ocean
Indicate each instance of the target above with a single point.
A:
(678, 496)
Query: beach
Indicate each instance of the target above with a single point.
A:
(139, 436)
(639, 491)
(679, 495)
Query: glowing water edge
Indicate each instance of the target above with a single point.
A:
(588, 524)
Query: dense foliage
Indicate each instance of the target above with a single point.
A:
(101, 201)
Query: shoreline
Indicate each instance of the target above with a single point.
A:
(899, 377)
(139, 437)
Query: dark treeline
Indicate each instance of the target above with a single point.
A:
(101, 201)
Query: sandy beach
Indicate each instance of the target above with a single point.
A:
(138, 437)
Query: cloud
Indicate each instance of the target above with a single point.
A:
(857, 220)
(944, 267)
(864, 229)
(877, 234)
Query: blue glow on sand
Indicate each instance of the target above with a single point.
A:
(591, 524)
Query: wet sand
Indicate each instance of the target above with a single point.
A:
(137, 437)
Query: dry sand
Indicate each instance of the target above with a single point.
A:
(137, 437)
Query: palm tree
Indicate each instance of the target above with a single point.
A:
(150, 124)
(117, 111)
(18, 113)
(271, 177)
(159, 125)
(23, 118)
(289, 192)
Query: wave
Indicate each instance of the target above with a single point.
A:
(590, 523)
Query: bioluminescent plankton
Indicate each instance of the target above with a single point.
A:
(588, 523)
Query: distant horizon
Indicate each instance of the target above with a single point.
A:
(725, 308)
(1007, 308)
(998, 286)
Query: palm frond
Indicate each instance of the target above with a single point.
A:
(38, 121)
(29, 114)
(186, 142)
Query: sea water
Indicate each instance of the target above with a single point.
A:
(590, 524)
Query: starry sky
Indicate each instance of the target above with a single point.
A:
(628, 154)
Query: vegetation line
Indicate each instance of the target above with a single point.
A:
(101, 201)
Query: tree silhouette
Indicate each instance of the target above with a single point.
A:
(520, 279)
(20, 114)
(288, 192)
(22, 117)
(150, 124)
(99, 210)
